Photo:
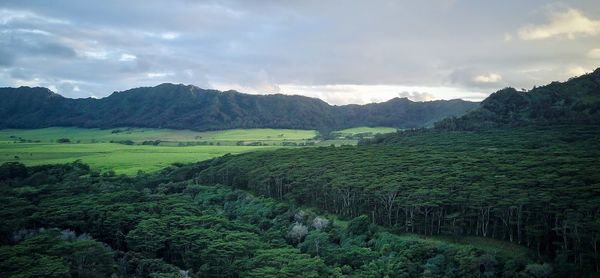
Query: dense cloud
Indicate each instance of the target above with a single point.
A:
(375, 50)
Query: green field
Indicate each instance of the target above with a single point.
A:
(128, 150)
(122, 159)
(92, 146)
(366, 129)
(357, 133)
(138, 135)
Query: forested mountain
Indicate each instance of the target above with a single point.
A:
(189, 107)
(576, 101)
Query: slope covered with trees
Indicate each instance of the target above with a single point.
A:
(534, 186)
(576, 101)
(68, 221)
(189, 107)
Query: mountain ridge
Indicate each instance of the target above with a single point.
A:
(181, 106)
(575, 101)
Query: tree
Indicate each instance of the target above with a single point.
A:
(297, 233)
(11, 170)
(320, 223)
(539, 270)
(88, 258)
(359, 225)
(316, 243)
(148, 237)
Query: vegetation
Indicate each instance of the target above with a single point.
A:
(61, 221)
(189, 107)
(120, 158)
(129, 150)
(573, 102)
(532, 186)
(512, 189)
(360, 133)
(136, 149)
(165, 136)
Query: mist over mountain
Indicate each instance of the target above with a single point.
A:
(189, 107)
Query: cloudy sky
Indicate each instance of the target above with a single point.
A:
(340, 51)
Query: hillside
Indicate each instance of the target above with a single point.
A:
(576, 101)
(522, 168)
(537, 187)
(189, 107)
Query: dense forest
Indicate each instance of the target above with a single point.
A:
(189, 107)
(534, 186)
(574, 101)
(70, 221)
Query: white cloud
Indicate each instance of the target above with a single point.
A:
(488, 78)
(576, 71)
(94, 54)
(53, 88)
(417, 96)
(25, 31)
(340, 94)
(158, 74)
(169, 36)
(569, 23)
(594, 53)
(164, 35)
(127, 57)
(8, 16)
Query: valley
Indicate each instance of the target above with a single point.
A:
(176, 181)
(509, 188)
(129, 150)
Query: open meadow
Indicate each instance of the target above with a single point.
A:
(165, 136)
(129, 150)
(123, 159)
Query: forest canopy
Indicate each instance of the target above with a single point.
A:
(58, 221)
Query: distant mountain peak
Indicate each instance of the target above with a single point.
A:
(180, 106)
(400, 99)
(576, 101)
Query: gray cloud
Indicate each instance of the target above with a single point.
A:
(268, 46)
(6, 58)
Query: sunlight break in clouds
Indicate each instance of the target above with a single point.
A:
(361, 94)
(568, 23)
(576, 71)
(488, 78)
(594, 53)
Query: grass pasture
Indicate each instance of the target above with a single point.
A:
(366, 129)
(138, 135)
(356, 133)
(123, 159)
(92, 146)
(103, 149)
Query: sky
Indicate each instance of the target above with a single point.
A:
(340, 51)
